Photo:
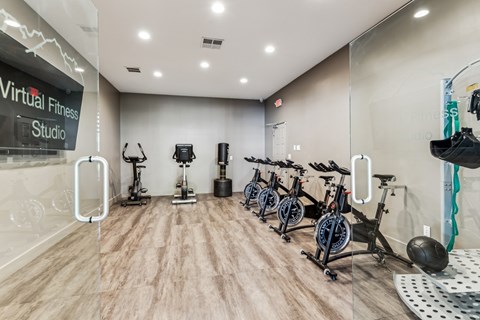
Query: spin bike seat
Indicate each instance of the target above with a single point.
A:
(385, 177)
(389, 177)
(327, 178)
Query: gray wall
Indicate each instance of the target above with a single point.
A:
(160, 122)
(316, 109)
(109, 108)
(396, 70)
(396, 73)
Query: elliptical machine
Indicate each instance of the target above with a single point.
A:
(135, 190)
(184, 154)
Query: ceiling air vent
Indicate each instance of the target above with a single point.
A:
(133, 69)
(211, 43)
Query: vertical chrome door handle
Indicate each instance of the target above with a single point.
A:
(106, 189)
(369, 180)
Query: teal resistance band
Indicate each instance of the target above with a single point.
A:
(452, 111)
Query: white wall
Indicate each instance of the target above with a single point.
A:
(316, 109)
(160, 122)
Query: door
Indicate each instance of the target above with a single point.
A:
(279, 134)
(279, 148)
(49, 262)
(405, 73)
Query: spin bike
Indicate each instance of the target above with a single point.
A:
(252, 188)
(269, 198)
(184, 154)
(135, 189)
(333, 231)
(291, 209)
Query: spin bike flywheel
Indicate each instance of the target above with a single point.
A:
(27, 214)
(297, 211)
(269, 199)
(251, 190)
(341, 234)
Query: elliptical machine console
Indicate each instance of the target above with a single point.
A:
(184, 154)
(135, 190)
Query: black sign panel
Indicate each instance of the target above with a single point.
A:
(39, 105)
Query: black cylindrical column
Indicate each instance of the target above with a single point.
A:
(222, 187)
(223, 153)
(223, 172)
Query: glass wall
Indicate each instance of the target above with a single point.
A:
(49, 263)
(401, 100)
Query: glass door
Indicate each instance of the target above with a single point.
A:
(49, 262)
(403, 104)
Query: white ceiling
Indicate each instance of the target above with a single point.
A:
(304, 33)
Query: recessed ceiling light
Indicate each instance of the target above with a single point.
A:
(144, 35)
(204, 64)
(243, 80)
(421, 13)
(157, 74)
(218, 7)
(269, 49)
(12, 23)
(78, 69)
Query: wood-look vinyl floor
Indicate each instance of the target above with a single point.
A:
(214, 260)
(209, 260)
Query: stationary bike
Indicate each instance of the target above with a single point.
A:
(291, 209)
(252, 188)
(184, 154)
(135, 190)
(269, 198)
(333, 231)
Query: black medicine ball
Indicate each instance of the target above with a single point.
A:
(427, 253)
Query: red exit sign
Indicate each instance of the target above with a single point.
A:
(278, 103)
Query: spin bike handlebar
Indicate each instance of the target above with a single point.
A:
(254, 160)
(299, 168)
(130, 159)
(270, 162)
(282, 164)
(320, 167)
(335, 167)
(261, 161)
